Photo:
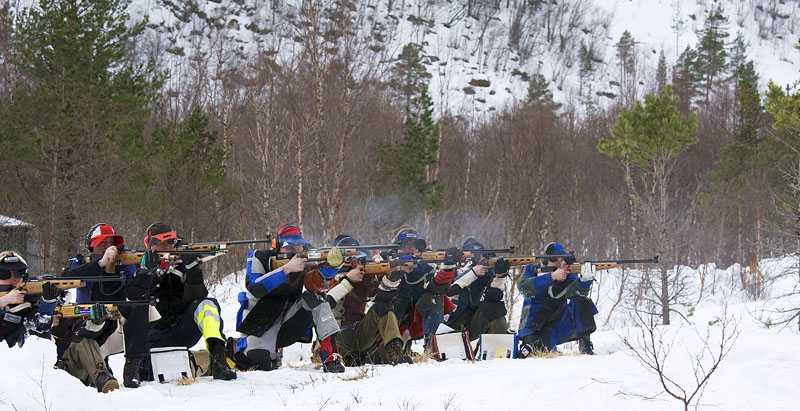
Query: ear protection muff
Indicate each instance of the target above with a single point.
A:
(88, 240)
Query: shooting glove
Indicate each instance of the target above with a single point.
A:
(150, 260)
(501, 267)
(451, 257)
(98, 313)
(49, 292)
(335, 258)
(588, 272)
(391, 281)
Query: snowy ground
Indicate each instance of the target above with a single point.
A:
(761, 371)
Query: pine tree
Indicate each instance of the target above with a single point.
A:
(647, 140)
(185, 163)
(77, 118)
(404, 166)
(626, 52)
(711, 52)
(685, 78)
(409, 73)
(784, 106)
(539, 93)
(738, 52)
(586, 74)
(740, 176)
(661, 72)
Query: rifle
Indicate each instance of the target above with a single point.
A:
(512, 260)
(215, 246)
(465, 255)
(134, 257)
(62, 283)
(368, 247)
(600, 265)
(315, 256)
(84, 310)
(380, 267)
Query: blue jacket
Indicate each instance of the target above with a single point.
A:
(534, 286)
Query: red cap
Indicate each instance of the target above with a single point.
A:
(103, 231)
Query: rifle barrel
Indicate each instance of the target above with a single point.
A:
(653, 260)
(151, 301)
(366, 247)
(99, 278)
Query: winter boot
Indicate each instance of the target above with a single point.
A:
(585, 346)
(395, 354)
(130, 373)
(230, 350)
(329, 354)
(105, 383)
(219, 361)
(429, 349)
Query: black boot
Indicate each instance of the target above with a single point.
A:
(585, 346)
(220, 369)
(329, 354)
(105, 383)
(130, 373)
(395, 353)
(333, 366)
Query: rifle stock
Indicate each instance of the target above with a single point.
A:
(84, 310)
(215, 246)
(314, 256)
(514, 260)
(63, 283)
(374, 268)
(134, 257)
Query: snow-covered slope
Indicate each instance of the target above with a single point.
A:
(480, 55)
(759, 373)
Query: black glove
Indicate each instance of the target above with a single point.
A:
(395, 275)
(451, 258)
(98, 312)
(49, 292)
(151, 260)
(501, 268)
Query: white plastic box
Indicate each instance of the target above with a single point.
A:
(170, 364)
(495, 346)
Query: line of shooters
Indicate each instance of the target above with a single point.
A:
(364, 304)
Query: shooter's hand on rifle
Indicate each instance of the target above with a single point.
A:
(501, 267)
(295, 265)
(49, 292)
(451, 258)
(151, 260)
(109, 256)
(14, 296)
(335, 258)
(355, 275)
(588, 272)
(98, 313)
(559, 275)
